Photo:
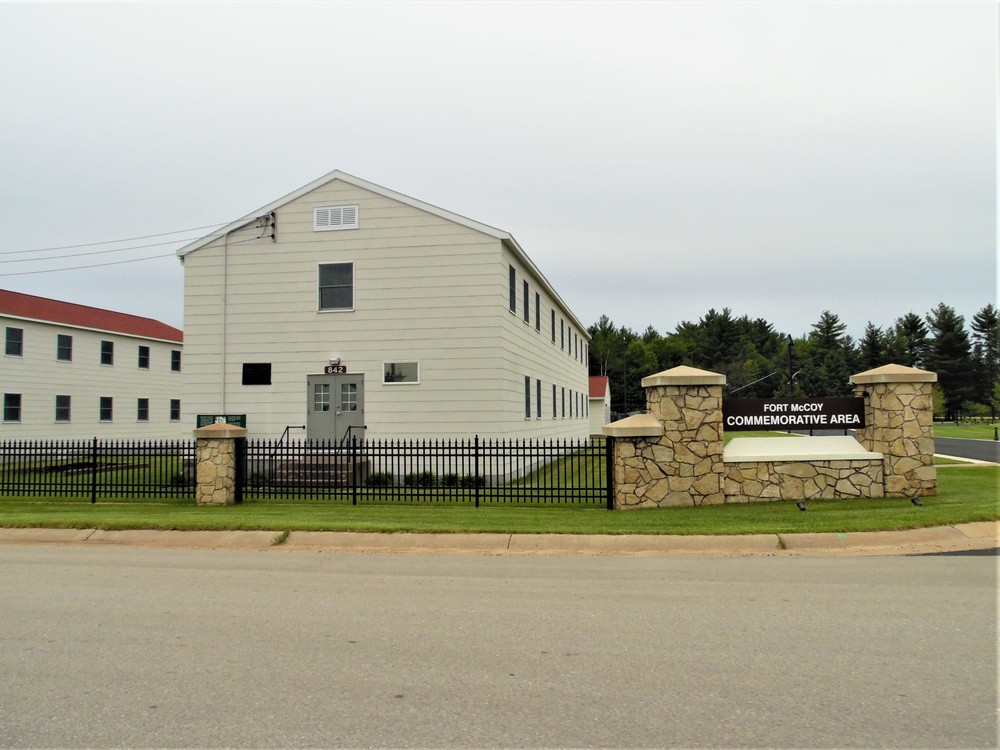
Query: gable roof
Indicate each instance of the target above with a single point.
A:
(598, 386)
(29, 307)
(505, 237)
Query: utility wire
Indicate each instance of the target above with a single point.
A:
(111, 242)
(93, 252)
(110, 263)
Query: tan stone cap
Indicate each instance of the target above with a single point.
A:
(220, 430)
(638, 425)
(684, 375)
(894, 374)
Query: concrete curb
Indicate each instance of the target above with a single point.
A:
(963, 537)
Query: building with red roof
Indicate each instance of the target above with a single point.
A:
(73, 371)
(600, 403)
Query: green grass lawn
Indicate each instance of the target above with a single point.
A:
(965, 494)
(971, 431)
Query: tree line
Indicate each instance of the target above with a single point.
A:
(761, 362)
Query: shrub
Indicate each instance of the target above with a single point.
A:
(419, 479)
(381, 479)
(450, 480)
(470, 481)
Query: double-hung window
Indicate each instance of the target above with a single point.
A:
(143, 357)
(107, 352)
(142, 410)
(512, 291)
(14, 342)
(336, 286)
(538, 312)
(527, 312)
(12, 407)
(64, 348)
(63, 404)
(107, 409)
(527, 397)
(175, 360)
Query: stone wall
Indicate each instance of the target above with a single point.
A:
(216, 464)
(753, 481)
(673, 454)
(682, 463)
(900, 423)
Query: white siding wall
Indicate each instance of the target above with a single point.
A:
(39, 377)
(425, 289)
(533, 353)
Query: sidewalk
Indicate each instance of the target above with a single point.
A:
(961, 537)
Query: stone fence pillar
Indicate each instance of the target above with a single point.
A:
(900, 416)
(672, 455)
(216, 463)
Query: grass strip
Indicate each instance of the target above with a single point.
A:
(966, 494)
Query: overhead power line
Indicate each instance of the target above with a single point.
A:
(109, 263)
(112, 242)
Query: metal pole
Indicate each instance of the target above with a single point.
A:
(93, 472)
(609, 471)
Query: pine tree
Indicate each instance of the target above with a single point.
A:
(985, 327)
(950, 356)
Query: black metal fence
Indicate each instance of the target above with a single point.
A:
(474, 471)
(98, 469)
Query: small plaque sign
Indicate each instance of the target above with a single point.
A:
(335, 370)
(236, 420)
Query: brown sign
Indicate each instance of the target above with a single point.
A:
(793, 414)
(335, 370)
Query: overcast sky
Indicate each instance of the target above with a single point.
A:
(655, 160)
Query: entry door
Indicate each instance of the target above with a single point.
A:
(335, 403)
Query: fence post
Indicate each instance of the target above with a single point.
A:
(93, 472)
(352, 463)
(609, 470)
(475, 474)
(240, 451)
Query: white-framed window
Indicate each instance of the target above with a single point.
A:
(527, 310)
(554, 401)
(512, 291)
(175, 410)
(396, 373)
(333, 218)
(14, 342)
(175, 360)
(63, 408)
(336, 286)
(107, 411)
(64, 347)
(142, 410)
(12, 407)
(538, 312)
(143, 357)
(107, 353)
(538, 399)
(527, 397)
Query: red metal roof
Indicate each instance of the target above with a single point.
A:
(598, 386)
(68, 313)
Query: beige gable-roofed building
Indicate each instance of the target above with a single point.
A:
(71, 371)
(347, 308)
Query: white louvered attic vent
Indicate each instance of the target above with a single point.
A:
(329, 218)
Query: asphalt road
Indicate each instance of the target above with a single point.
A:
(138, 647)
(979, 450)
